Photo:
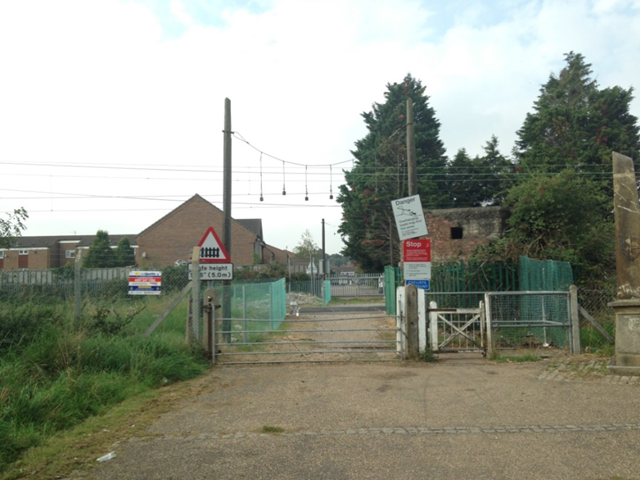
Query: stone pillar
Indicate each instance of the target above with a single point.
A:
(627, 305)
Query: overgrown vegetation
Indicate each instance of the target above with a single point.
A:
(55, 373)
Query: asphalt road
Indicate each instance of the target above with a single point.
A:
(463, 417)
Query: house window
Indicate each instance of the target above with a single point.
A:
(456, 233)
(1, 253)
(70, 254)
(23, 252)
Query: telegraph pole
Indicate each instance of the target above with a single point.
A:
(411, 151)
(226, 207)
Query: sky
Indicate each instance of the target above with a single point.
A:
(112, 111)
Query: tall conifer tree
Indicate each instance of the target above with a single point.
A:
(379, 174)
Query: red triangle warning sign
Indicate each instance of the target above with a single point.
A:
(211, 248)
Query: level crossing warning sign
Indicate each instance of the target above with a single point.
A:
(211, 248)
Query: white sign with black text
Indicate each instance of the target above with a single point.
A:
(409, 217)
(214, 271)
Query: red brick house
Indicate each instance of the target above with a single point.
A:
(172, 238)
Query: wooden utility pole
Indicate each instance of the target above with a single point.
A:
(226, 206)
(411, 292)
(411, 151)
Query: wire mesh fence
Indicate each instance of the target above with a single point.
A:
(530, 319)
(596, 304)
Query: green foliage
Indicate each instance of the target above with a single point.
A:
(21, 323)
(174, 278)
(479, 181)
(428, 356)
(124, 254)
(496, 357)
(562, 204)
(562, 217)
(380, 175)
(100, 254)
(12, 226)
(575, 124)
(66, 272)
(307, 247)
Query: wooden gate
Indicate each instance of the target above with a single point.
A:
(457, 329)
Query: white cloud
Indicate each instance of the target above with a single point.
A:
(100, 82)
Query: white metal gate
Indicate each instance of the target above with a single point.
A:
(457, 329)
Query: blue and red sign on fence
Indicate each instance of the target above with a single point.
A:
(145, 283)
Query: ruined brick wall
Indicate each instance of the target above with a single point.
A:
(456, 233)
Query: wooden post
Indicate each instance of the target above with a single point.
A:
(575, 319)
(226, 207)
(77, 288)
(411, 315)
(411, 151)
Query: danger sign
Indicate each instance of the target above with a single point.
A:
(211, 248)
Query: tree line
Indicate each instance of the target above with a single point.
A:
(557, 181)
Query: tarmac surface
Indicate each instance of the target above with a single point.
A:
(462, 417)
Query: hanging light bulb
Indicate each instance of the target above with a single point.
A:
(284, 190)
(306, 191)
(261, 197)
(330, 183)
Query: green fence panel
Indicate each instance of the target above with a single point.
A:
(327, 292)
(278, 302)
(392, 278)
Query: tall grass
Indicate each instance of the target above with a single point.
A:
(54, 373)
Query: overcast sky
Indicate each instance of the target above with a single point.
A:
(111, 111)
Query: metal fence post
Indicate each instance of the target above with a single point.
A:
(244, 313)
(575, 319)
(77, 288)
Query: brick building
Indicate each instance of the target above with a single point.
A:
(42, 253)
(165, 242)
(455, 233)
(172, 238)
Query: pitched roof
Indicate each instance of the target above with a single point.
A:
(50, 240)
(253, 225)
